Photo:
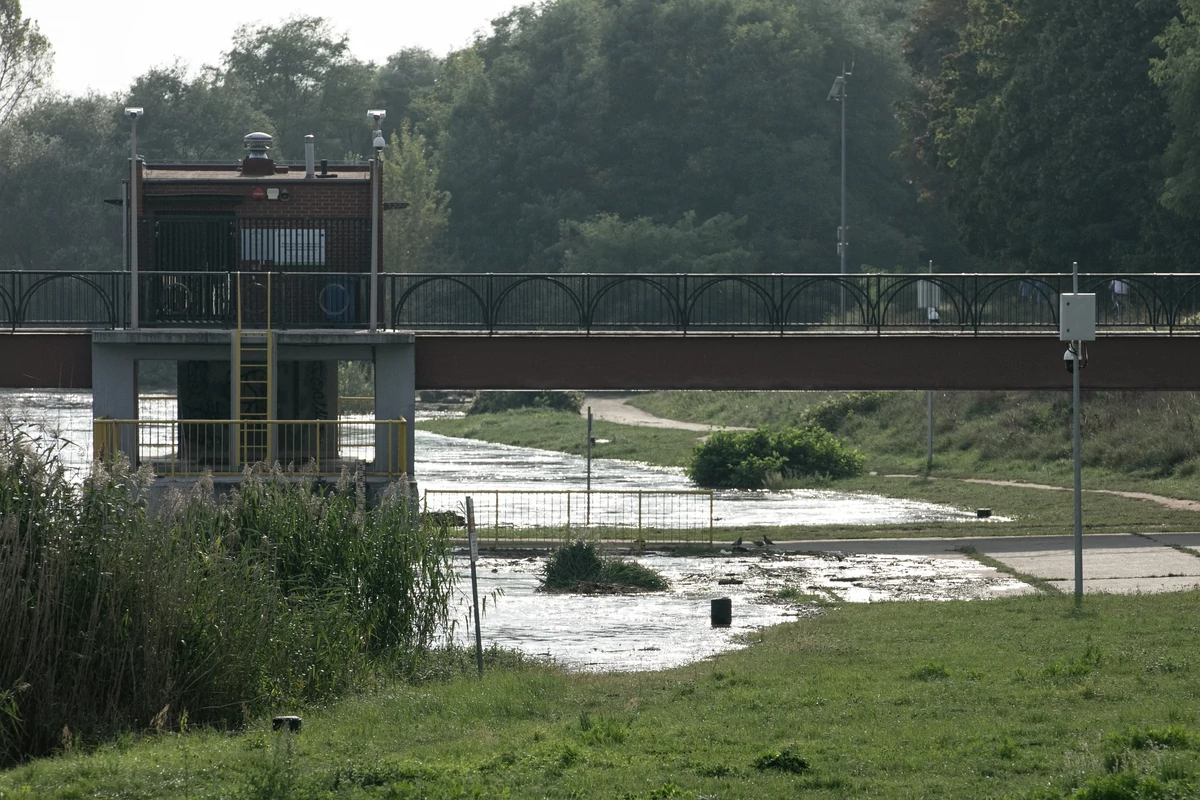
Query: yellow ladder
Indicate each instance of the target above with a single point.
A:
(253, 377)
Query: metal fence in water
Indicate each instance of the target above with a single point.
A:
(563, 515)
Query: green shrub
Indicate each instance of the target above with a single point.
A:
(746, 460)
(832, 413)
(497, 402)
(579, 565)
(282, 592)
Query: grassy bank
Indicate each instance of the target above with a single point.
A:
(1030, 510)
(1021, 698)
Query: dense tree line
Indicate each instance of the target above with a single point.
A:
(664, 135)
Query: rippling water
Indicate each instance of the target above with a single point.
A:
(628, 632)
(467, 466)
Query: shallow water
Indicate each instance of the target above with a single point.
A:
(463, 466)
(667, 629)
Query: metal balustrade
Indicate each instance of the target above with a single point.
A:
(190, 447)
(601, 303)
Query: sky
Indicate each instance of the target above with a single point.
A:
(103, 45)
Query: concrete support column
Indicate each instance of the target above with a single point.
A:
(395, 397)
(114, 391)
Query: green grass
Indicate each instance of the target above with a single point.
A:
(1017, 698)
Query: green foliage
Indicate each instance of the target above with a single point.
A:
(1177, 74)
(784, 760)
(1036, 124)
(411, 235)
(497, 402)
(606, 243)
(832, 413)
(579, 566)
(283, 592)
(25, 59)
(744, 460)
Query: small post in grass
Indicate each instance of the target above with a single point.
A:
(474, 540)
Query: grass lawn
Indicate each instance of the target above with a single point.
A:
(1021, 698)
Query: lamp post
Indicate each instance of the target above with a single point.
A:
(133, 113)
(1077, 324)
(838, 92)
(378, 142)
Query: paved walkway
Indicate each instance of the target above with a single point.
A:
(1113, 563)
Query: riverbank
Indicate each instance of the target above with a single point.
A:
(1020, 697)
(1032, 510)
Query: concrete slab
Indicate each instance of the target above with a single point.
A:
(1129, 585)
(1149, 561)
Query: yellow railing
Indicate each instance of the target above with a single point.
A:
(643, 516)
(185, 447)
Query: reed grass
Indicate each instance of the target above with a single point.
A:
(213, 610)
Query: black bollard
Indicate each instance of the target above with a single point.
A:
(721, 612)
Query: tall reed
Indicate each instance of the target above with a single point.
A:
(281, 591)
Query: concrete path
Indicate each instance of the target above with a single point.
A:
(1113, 563)
(616, 408)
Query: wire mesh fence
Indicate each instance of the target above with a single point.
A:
(563, 515)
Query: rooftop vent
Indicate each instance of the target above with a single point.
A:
(258, 158)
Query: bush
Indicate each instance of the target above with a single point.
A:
(832, 413)
(579, 566)
(745, 460)
(281, 592)
(497, 402)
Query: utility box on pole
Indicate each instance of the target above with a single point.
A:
(1077, 318)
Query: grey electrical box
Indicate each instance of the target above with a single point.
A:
(1077, 318)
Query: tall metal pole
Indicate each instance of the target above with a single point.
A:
(473, 538)
(589, 466)
(1078, 364)
(929, 410)
(374, 165)
(842, 244)
(133, 225)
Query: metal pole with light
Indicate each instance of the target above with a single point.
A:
(378, 142)
(1077, 324)
(838, 92)
(133, 113)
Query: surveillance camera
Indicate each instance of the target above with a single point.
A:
(1069, 358)
(134, 113)
(379, 143)
(376, 114)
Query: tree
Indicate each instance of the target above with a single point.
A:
(25, 59)
(405, 83)
(1177, 73)
(58, 163)
(301, 74)
(1038, 128)
(411, 235)
(194, 119)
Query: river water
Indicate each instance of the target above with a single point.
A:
(629, 632)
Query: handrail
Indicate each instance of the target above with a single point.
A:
(667, 303)
(193, 447)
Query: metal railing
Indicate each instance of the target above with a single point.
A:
(562, 515)
(603, 303)
(184, 448)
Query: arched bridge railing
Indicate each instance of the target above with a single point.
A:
(602, 303)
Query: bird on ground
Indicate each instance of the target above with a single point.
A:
(738, 542)
(758, 543)
(767, 541)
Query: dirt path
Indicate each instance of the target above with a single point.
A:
(615, 408)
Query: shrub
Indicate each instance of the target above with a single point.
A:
(579, 566)
(497, 402)
(745, 460)
(832, 413)
(281, 592)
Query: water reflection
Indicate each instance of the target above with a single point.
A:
(667, 629)
(463, 465)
